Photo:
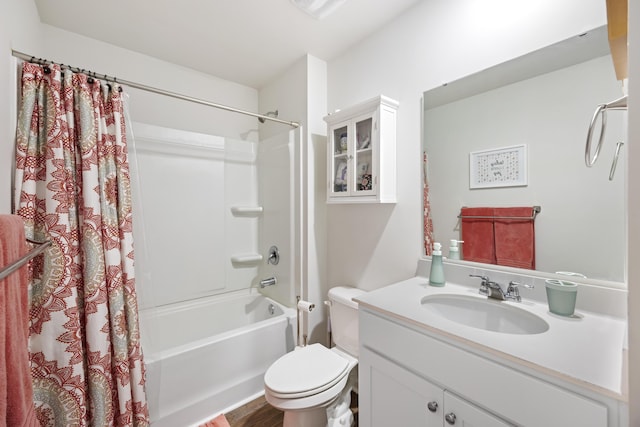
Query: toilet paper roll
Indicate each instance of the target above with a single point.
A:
(305, 306)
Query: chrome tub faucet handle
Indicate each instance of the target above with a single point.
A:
(268, 282)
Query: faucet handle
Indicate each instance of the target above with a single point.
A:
(484, 288)
(514, 285)
(513, 292)
(484, 278)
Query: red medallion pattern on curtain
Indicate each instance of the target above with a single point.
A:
(426, 206)
(72, 187)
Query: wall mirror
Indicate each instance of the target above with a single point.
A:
(544, 100)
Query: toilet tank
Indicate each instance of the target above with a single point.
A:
(343, 313)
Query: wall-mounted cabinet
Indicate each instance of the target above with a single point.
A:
(361, 153)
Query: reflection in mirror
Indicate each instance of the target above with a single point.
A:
(544, 100)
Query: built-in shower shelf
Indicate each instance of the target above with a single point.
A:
(246, 259)
(246, 210)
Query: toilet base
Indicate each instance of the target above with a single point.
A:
(337, 414)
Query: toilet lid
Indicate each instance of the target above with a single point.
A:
(306, 371)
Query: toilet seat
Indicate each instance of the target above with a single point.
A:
(305, 372)
(318, 400)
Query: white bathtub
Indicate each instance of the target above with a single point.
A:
(205, 356)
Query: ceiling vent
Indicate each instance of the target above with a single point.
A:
(319, 9)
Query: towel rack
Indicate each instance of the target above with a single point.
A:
(618, 104)
(536, 211)
(6, 271)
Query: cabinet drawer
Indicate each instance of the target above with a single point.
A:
(513, 395)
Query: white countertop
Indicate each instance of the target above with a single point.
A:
(586, 349)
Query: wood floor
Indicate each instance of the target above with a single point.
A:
(255, 413)
(259, 413)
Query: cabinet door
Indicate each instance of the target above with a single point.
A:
(364, 144)
(460, 413)
(396, 397)
(340, 161)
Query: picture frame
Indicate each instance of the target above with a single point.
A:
(498, 167)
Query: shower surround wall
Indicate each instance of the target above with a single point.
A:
(278, 223)
(188, 183)
(192, 247)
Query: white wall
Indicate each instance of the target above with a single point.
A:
(315, 170)
(19, 25)
(432, 43)
(70, 48)
(300, 95)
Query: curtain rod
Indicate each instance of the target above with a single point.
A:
(140, 86)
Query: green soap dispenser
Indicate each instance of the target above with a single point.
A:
(454, 249)
(436, 276)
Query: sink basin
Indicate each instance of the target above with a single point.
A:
(484, 313)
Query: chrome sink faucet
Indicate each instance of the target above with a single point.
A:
(494, 290)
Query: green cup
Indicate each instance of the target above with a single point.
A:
(561, 296)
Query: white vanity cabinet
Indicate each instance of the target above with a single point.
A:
(361, 153)
(404, 368)
(398, 397)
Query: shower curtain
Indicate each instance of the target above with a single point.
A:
(426, 206)
(72, 187)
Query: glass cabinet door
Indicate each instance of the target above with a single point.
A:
(363, 159)
(341, 173)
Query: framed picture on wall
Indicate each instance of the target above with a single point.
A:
(498, 167)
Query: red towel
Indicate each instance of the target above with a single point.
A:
(515, 238)
(478, 235)
(16, 396)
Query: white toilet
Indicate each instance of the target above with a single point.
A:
(309, 380)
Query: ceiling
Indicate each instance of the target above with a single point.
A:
(246, 41)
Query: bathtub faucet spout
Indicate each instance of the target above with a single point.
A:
(268, 282)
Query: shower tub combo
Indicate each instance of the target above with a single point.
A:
(208, 335)
(207, 355)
